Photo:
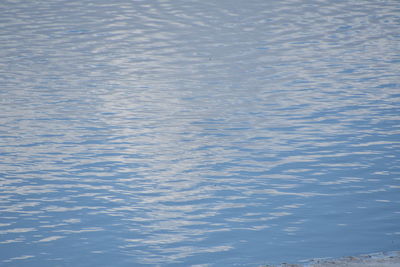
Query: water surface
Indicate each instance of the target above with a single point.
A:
(208, 133)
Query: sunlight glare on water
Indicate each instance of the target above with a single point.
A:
(212, 133)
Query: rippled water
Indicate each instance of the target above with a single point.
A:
(212, 133)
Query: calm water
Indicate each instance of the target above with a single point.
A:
(207, 133)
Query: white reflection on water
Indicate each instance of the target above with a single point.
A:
(186, 133)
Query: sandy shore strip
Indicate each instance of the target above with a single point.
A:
(382, 259)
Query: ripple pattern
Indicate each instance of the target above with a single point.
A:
(198, 133)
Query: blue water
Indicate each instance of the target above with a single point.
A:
(204, 133)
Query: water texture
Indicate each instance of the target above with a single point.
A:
(204, 133)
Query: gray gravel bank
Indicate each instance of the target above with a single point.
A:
(383, 259)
